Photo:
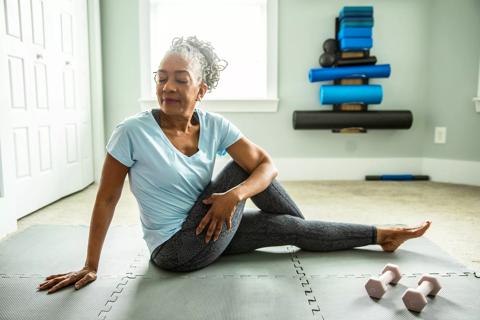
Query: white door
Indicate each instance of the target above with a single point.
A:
(46, 134)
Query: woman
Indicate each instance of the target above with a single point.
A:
(169, 155)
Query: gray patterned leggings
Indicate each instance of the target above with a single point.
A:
(277, 222)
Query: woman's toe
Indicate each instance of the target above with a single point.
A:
(422, 229)
(400, 236)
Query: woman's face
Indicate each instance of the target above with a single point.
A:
(178, 88)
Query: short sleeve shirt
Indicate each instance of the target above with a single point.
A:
(165, 182)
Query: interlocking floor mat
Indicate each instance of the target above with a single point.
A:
(270, 283)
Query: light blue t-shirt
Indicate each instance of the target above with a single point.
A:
(166, 182)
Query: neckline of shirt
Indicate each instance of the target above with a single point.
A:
(165, 138)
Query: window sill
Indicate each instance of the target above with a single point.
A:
(225, 105)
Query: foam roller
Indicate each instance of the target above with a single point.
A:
(352, 23)
(352, 119)
(370, 71)
(353, 44)
(368, 94)
(356, 11)
(357, 19)
(351, 62)
(355, 33)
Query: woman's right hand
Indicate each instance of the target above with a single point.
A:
(79, 278)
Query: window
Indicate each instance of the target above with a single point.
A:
(243, 32)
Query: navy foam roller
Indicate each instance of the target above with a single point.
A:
(371, 71)
(368, 94)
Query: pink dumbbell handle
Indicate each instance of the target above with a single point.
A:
(425, 288)
(386, 277)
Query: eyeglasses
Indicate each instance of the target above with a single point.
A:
(156, 77)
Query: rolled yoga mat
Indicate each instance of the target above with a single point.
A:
(354, 44)
(397, 177)
(326, 74)
(368, 94)
(352, 119)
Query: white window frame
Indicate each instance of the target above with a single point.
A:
(268, 104)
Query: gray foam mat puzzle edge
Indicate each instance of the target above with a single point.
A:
(19, 299)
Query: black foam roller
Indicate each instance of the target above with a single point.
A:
(352, 62)
(352, 119)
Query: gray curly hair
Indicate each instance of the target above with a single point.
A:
(203, 60)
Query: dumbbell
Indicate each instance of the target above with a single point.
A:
(330, 45)
(415, 299)
(327, 59)
(330, 48)
(376, 287)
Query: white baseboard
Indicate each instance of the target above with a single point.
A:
(452, 171)
(439, 170)
(344, 168)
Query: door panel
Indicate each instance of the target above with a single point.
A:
(47, 149)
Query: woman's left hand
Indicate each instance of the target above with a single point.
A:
(223, 208)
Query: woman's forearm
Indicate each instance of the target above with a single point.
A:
(259, 179)
(101, 218)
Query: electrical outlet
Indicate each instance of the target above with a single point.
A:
(440, 135)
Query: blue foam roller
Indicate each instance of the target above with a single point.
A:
(357, 8)
(354, 33)
(357, 19)
(369, 71)
(368, 94)
(355, 14)
(356, 24)
(354, 11)
(353, 44)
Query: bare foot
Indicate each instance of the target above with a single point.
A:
(391, 238)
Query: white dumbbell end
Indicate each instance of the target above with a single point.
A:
(415, 299)
(376, 287)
